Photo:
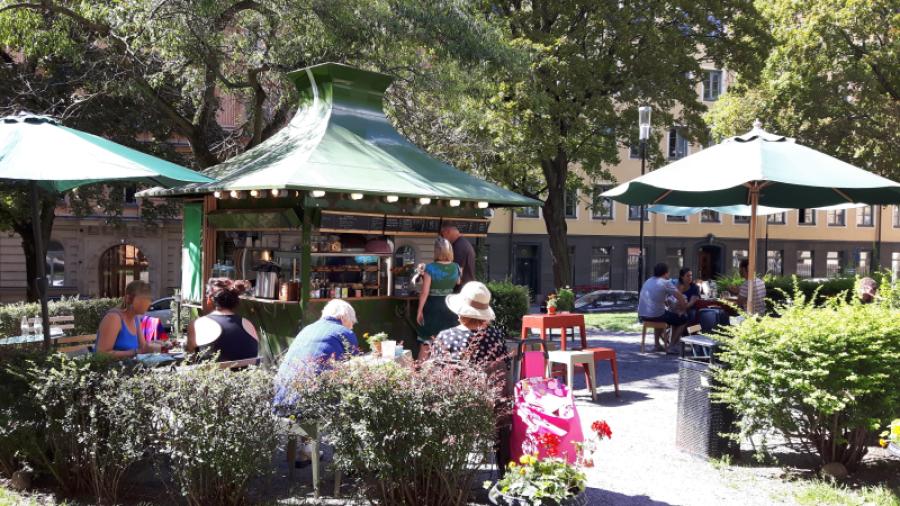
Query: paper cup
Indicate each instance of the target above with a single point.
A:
(388, 349)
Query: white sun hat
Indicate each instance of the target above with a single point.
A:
(473, 301)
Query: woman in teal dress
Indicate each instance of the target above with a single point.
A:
(438, 281)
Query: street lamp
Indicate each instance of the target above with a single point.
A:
(644, 134)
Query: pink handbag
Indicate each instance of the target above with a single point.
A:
(543, 406)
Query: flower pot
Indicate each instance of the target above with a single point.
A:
(551, 310)
(894, 450)
(501, 499)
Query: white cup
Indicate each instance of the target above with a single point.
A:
(388, 349)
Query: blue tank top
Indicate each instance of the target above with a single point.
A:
(125, 339)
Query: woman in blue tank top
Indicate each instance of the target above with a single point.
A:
(120, 334)
(222, 333)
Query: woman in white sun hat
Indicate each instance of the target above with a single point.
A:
(474, 340)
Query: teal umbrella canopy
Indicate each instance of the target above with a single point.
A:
(734, 210)
(58, 158)
(787, 174)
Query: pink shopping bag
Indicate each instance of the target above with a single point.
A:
(543, 406)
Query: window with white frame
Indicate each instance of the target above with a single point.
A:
(674, 259)
(527, 212)
(896, 217)
(895, 264)
(837, 217)
(634, 214)
(712, 85)
(601, 207)
(634, 151)
(674, 218)
(741, 220)
(709, 216)
(56, 264)
(804, 263)
(834, 263)
(864, 216)
(601, 267)
(775, 262)
(777, 218)
(736, 257)
(678, 145)
(864, 262)
(571, 203)
(806, 217)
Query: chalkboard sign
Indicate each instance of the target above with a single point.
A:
(469, 227)
(351, 222)
(412, 225)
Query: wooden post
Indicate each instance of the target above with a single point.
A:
(751, 260)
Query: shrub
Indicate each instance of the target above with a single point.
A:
(93, 421)
(510, 303)
(18, 414)
(217, 429)
(87, 312)
(413, 437)
(823, 377)
(565, 299)
(780, 288)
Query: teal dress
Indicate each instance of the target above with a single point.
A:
(437, 315)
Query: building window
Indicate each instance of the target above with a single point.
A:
(527, 212)
(634, 214)
(708, 216)
(671, 218)
(678, 145)
(837, 217)
(834, 263)
(736, 257)
(896, 217)
(741, 220)
(631, 264)
(601, 207)
(56, 264)
(130, 196)
(570, 201)
(119, 266)
(804, 263)
(864, 262)
(806, 216)
(601, 267)
(777, 218)
(775, 262)
(634, 151)
(675, 260)
(864, 216)
(712, 85)
(895, 264)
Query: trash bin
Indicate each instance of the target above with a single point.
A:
(701, 421)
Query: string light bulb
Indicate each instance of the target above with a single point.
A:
(318, 193)
(234, 194)
(482, 205)
(254, 193)
(276, 192)
(424, 201)
(390, 199)
(356, 196)
(217, 194)
(455, 203)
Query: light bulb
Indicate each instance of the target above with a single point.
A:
(391, 199)
(234, 194)
(275, 192)
(482, 205)
(356, 196)
(318, 193)
(424, 201)
(254, 193)
(217, 194)
(455, 203)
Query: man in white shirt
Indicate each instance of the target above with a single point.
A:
(652, 304)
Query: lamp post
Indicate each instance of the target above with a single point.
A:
(644, 134)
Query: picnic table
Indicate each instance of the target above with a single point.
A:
(25, 339)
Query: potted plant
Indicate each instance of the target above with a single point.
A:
(552, 303)
(890, 438)
(539, 482)
(586, 449)
(565, 299)
(375, 340)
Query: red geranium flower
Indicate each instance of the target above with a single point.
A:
(550, 443)
(601, 428)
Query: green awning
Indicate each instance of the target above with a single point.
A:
(341, 141)
(280, 219)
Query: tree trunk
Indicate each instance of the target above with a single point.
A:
(26, 231)
(554, 209)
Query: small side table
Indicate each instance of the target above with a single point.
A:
(571, 359)
(562, 321)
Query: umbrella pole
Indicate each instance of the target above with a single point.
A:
(40, 258)
(751, 268)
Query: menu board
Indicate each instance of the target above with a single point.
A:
(469, 227)
(412, 225)
(359, 223)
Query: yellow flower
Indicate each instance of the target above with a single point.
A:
(366, 335)
(882, 443)
(512, 465)
(522, 471)
(895, 429)
(524, 459)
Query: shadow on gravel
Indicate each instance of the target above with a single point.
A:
(597, 497)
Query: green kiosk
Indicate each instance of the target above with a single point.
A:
(337, 204)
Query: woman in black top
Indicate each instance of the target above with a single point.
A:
(222, 331)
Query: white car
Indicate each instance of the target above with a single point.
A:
(162, 309)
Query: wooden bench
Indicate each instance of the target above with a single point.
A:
(74, 344)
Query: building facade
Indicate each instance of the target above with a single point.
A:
(603, 235)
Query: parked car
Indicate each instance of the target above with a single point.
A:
(162, 309)
(607, 301)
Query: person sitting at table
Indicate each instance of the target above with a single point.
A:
(222, 333)
(759, 290)
(120, 335)
(474, 340)
(691, 292)
(652, 305)
(867, 290)
(331, 337)
(439, 278)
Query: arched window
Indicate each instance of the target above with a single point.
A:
(119, 266)
(56, 264)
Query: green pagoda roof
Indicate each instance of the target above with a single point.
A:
(340, 141)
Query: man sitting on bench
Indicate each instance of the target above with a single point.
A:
(652, 305)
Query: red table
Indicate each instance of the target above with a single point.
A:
(563, 321)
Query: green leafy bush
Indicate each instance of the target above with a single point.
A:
(779, 288)
(87, 312)
(217, 429)
(565, 299)
(510, 303)
(412, 436)
(18, 412)
(824, 377)
(93, 420)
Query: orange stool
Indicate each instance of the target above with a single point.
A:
(607, 354)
